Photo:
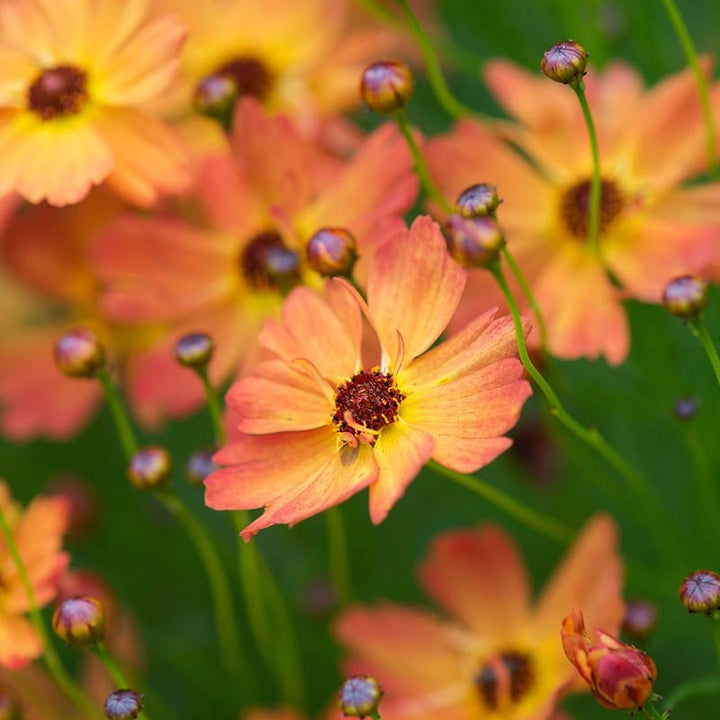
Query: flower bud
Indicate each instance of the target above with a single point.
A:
(79, 354)
(564, 62)
(80, 621)
(332, 251)
(640, 618)
(149, 467)
(685, 297)
(199, 465)
(685, 408)
(386, 86)
(360, 696)
(700, 592)
(480, 199)
(123, 705)
(215, 97)
(619, 675)
(475, 241)
(194, 350)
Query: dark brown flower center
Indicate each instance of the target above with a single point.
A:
(504, 679)
(366, 403)
(251, 76)
(268, 265)
(58, 91)
(575, 207)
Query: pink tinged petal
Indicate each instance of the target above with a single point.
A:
(348, 471)
(400, 452)
(479, 577)
(413, 288)
(19, 643)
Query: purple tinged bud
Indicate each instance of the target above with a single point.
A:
(79, 354)
(80, 621)
(332, 251)
(700, 592)
(640, 618)
(149, 467)
(480, 199)
(360, 696)
(686, 408)
(565, 62)
(194, 350)
(685, 297)
(386, 86)
(123, 705)
(215, 97)
(474, 242)
(199, 465)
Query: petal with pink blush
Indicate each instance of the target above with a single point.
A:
(19, 643)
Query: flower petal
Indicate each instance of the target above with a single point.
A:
(19, 643)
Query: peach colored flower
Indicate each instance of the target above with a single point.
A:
(496, 655)
(74, 77)
(205, 267)
(37, 533)
(318, 423)
(653, 226)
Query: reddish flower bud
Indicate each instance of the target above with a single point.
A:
(360, 696)
(149, 467)
(79, 354)
(685, 297)
(123, 705)
(475, 241)
(332, 251)
(480, 199)
(194, 350)
(700, 592)
(564, 62)
(386, 86)
(640, 618)
(199, 465)
(80, 621)
(215, 97)
(619, 675)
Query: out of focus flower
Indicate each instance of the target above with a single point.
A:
(37, 532)
(652, 225)
(497, 655)
(225, 272)
(318, 422)
(73, 81)
(619, 675)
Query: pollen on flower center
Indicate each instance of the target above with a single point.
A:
(251, 76)
(266, 263)
(505, 678)
(365, 404)
(575, 207)
(58, 91)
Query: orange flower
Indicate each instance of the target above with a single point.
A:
(498, 656)
(619, 675)
(318, 423)
(652, 227)
(37, 533)
(73, 79)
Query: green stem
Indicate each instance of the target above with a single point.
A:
(214, 406)
(652, 712)
(533, 519)
(116, 673)
(338, 561)
(119, 413)
(55, 667)
(715, 623)
(700, 81)
(700, 331)
(697, 687)
(707, 495)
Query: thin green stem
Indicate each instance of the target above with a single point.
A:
(697, 687)
(652, 712)
(55, 667)
(119, 413)
(214, 406)
(700, 331)
(707, 495)
(537, 521)
(715, 625)
(700, 81)
(338, 560)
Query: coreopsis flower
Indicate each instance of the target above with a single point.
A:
(653, 226)
(496, 654)
(620, 676)
(318, 422)
(74, 78)
(222, 265)
(37, 532)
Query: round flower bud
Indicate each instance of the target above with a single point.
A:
(79, 354)
(474, 242)
(685, 408)
(685, 297)
(700, 592)
(215, 97)
(149, 467)
(640, 618)
(123, 705)
(386, 86)
(360, 696)
(564, 62)
(332, 251)
(199, 465)
(80, 621)
(194, 350)
(480, 199)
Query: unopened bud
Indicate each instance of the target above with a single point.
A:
(123, 705)
(700, 592)
(215, 97)
(564, 62)
(199, 466)
(149, 467)
(685, 297)
(360, 696)
(475, 241)
(79, 354)
(332, 251)
(386, 86)
(80, 621)
(194, 350)
(480, 199)
(685, 408)
(640, 618)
